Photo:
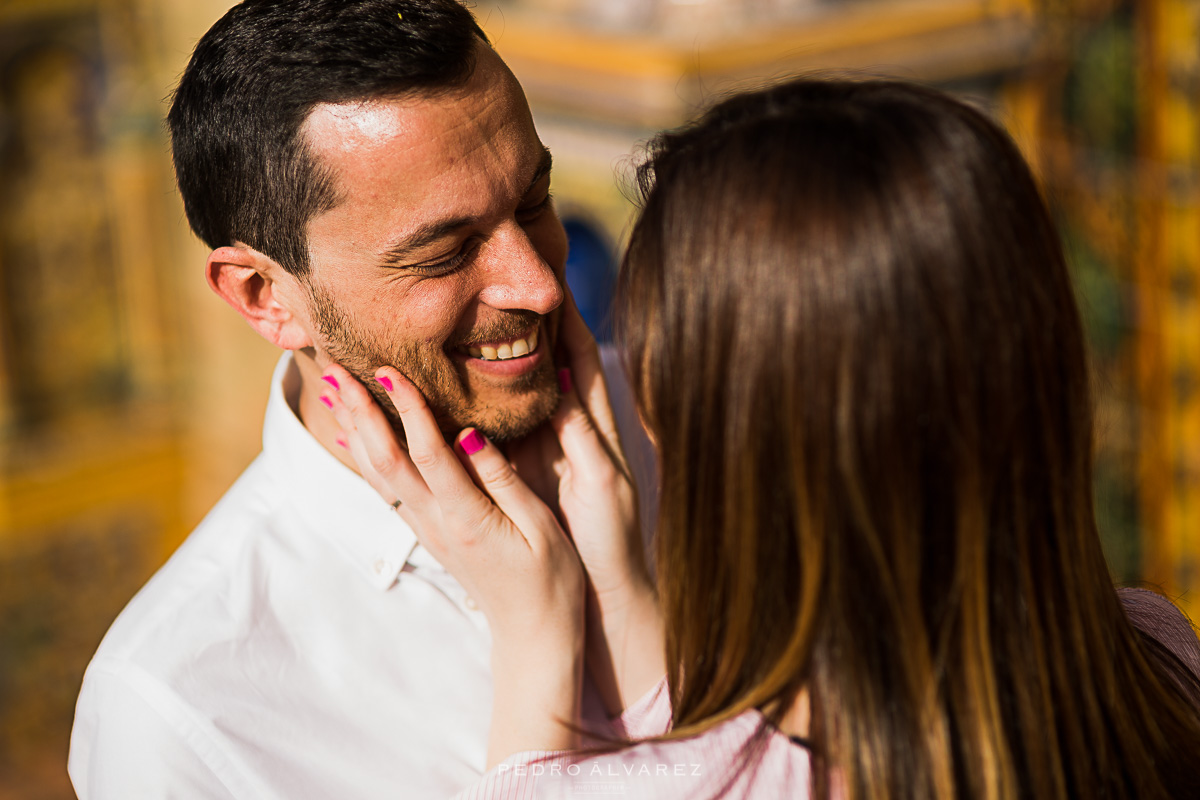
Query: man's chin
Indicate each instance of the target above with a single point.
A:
(507, 425)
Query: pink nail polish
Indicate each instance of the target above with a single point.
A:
(332, 381)
(564, 380)
(385, 382)
(342, 443)
(328, 403)
(472, 443)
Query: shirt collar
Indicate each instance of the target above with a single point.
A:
(334, 500)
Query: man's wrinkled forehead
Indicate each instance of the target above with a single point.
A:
(409, 172)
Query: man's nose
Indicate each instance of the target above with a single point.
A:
(517, 277)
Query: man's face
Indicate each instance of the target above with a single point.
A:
(445, 257)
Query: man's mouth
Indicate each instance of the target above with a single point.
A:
(505, 350)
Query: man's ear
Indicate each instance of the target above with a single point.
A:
(261, 291)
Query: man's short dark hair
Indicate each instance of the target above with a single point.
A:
(245, 172)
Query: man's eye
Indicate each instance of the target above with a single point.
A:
(448, 265)
(533, 212)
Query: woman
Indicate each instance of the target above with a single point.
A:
(853, 338)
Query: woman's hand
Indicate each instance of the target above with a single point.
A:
(503, 544)
(597, 502)
(596, 495)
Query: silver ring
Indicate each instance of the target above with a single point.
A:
(396, 505)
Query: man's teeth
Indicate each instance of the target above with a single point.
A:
(516, 349)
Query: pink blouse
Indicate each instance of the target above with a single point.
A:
(691, 768)
(699, 768)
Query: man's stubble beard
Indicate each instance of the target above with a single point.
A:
(434, 374)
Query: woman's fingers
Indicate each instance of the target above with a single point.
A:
(370, 438)
(494, 473)
(585, 375)
(582, 351)
(444, 473)
(450, 487)
(585, 447)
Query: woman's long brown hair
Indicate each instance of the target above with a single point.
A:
(853, 336)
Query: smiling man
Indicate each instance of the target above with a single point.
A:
(446, 257)
(369, 179)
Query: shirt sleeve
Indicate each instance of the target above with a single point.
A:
(123, 746)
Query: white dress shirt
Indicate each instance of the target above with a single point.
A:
(299, 644)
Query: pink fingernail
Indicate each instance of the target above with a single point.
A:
(342, 443)
(328, 403)
(332, 381)
(564, 380)
(472, 443)
(385, 382)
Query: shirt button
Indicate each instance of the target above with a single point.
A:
(381, 566)
(470, 603)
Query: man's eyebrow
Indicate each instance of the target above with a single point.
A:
(423, 237)
(545, 163)
(431, 232)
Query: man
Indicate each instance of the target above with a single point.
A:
(369, 178)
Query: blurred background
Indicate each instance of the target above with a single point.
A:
(131, 397)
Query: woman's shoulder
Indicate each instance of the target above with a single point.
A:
(743, 756)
